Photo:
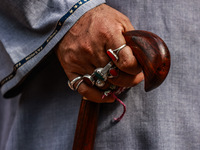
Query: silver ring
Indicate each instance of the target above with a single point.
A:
(102, 73)
(100, 83)
(79, 83)
(119, 49)
(88, 79)
(71, 84)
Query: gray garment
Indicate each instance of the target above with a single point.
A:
(167, 118)
(29, 30)
(7, 114)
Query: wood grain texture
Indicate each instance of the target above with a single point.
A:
(86, 126)
(152, 54)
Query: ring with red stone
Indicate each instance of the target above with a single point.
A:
(89, 79)
(113, 72)
(113, 53)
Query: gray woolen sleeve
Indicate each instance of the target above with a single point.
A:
(29, 30)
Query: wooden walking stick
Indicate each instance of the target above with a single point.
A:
(153, 55)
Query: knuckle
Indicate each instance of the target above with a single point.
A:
(73, 59)
(69, 56)
(124, 64)
(105, 34)
(126, 19)
(85, 48)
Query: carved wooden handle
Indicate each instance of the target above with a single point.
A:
(154, 58)
(152, 54)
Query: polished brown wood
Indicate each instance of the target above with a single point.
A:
(153, 55)
(86, 125)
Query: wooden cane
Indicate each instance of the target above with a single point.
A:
(153, 55)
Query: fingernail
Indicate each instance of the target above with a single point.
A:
(112, 55)
(113, 72)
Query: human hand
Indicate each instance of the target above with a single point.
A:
(83, 49)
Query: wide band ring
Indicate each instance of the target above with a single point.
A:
(71, 83)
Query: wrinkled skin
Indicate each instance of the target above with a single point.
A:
(83, 49)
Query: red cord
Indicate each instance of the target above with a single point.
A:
(120, 101)
(124, 106)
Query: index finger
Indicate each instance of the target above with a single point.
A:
(126, 61)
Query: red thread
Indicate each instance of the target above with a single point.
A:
(124, 106)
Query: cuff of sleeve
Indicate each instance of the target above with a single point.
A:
(9, 85)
